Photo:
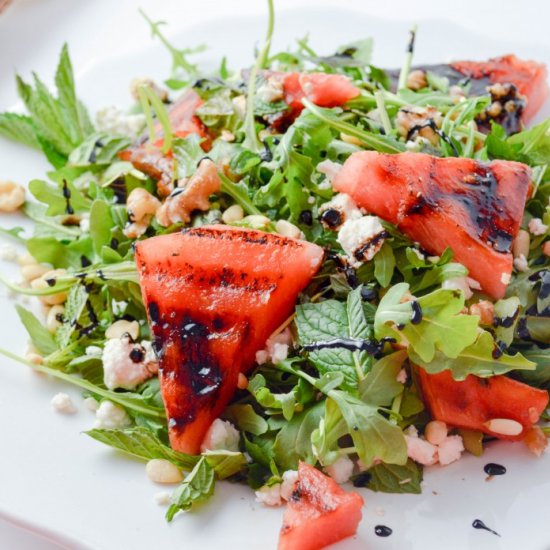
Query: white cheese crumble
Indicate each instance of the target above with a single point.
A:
(91, 404)
(113, 121)
(8, 253)
(450, 450)
(345, 208)
(461, 283)
(276, 349)
(93, 351)
(329, 168)
(62, 403)
(426, 453)
(505, 278)
(271, 90)
(162, 498)
(85, 225)
(127, 364)
(269, 496)
(111, 417)
(221, 436)
(537, 228)
(341, 470)
(520, 263)
(290, 477)
(361, 239)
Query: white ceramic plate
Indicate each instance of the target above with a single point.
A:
(55, 480)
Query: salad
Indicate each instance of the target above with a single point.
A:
(307, 272)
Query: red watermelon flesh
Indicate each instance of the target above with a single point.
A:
(529, 77)
(319, 512)
(214, 294)
(472, 207)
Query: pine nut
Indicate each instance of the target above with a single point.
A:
(119, 328)
(287, 229)
(34, 271)
(232, 214)
(435, 432)
(416, 80)
(12, 196)
(162, 471)
(504, 426)
(257, 221)
(52, 319)
(521, 244)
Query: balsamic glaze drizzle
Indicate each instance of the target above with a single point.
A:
(383, 531)
(67, 194)
(416, 316)
(372, 347)
(493, 469)
(478, 524)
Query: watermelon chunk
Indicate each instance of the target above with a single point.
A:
(214, 294)
(473, 402)
(475, 208)
(318, 513)
(149, 158)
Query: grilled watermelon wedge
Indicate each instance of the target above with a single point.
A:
(474, 402)
(474, 208)
(319, 512)
(149, 158)
(214, 294)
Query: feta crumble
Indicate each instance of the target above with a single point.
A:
(162, 498)
(537, 228)
(111, 417)
(62, 403)
(361, 239)
(276, 350)
(269, 496)
(520, 263)
(341, 470)
(290, 477)
(221, 436)
(329, 168)
(450, 450)
(113, 121)
(8, 253)
(460, 283)
(271, 90)
(127, 364)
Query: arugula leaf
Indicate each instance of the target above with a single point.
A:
(507, 312)
(246, 419)
(141, 443)
(442, 328)
(225, 463)
(395, 478)
(475, 359)
(41, 338)
(384, 265)
(187, 154)
(264, 396)
(540, 376)
(74, 309)
(54, 197)
(329, 320)
(197, 487)
(19, 128)
(101, 223)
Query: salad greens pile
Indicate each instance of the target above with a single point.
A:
(318, 404)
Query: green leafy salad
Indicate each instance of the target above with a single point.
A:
(340, 384)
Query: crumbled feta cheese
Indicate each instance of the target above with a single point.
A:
(162, 498)
(290, 477)
(127, 364)
(93, 351)
(113, 121)
(361, 239)
(62, 403)
(520, 263)
(338, 210)
(277, 347)
(340, 470)
(450, 449)
(91, 404)
(271, 90)
(505, 278)
(111, 417)
(85, 225)
(458, 283)
(537, 228)
(324, 184)
(221, 436)
(329, 168)
(418, 449)
(269, 496)
(8, 253)
(402, 376)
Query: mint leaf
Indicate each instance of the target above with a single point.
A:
(41, 338)
(19, 128)
(141, 443)
(475, 359)
(395, 478)
(328, 321)
(97, 149)
(196, 488)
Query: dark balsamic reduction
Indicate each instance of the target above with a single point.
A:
(478, 524)
(493, 469)
(305, 217)
(332, 218)
(383, 531)
(416, 316)
(67, 194)
(362, 480)
(372, 347)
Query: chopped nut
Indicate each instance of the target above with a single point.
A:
(54, 319)
(162, 471)
(31, 272)
(141, 207)
(419, 121)
(179, 205)
(234, 213)
(122, 327)
(416, 80)
(504, 426)
(287, 229)
(435, 432)
(485, 310)
(12, 196)
(44, 282)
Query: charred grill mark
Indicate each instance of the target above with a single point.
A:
(360, 252)
(154, 313)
